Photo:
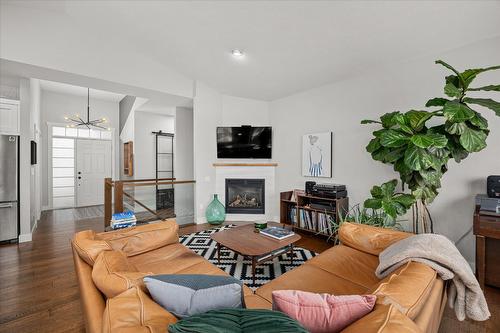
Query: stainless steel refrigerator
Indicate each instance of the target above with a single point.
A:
(9, 161)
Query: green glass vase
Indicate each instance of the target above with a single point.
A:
(216, 212)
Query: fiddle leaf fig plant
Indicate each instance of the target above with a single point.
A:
(419, 143)
(386, 199)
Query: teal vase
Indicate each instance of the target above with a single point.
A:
(216, 212)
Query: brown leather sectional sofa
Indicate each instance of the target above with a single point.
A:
(412, 299)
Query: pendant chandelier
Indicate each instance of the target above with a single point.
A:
(77, 121)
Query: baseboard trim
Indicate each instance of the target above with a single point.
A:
(201, 220)
(35, 225)
(24, 238)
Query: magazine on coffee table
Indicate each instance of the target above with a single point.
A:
(277, 232)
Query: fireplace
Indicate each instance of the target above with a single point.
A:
(245, 196)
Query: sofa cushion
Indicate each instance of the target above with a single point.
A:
(142, 238)
(176, 259)
(113, 274)
(407, 288)
(168, 259)
(237, 320)
(134, 311)
(349, 264)
(369, 239)
(322, 313)
(203, 267)
(253, 301)
(188, 295)
(313, 279)
(383, 319)
(88, 246)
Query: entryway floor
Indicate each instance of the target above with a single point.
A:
(39, 292)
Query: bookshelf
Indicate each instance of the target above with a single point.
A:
(300, 211)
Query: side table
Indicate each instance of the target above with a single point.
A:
(487, 232)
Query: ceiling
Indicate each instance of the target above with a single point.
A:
(69, 89)
(290, 46)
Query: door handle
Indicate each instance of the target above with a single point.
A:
(6, 205)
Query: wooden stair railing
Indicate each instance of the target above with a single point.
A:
(113, 194)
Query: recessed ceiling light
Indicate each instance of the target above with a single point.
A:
(237, 53)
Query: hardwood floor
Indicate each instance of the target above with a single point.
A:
(39, 291)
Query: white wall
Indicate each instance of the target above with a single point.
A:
(144, 140)
(183, 165)
(9, 86)
(340, 108)
(237, 111)
(54, 106)
(207, 115)
(24, 161)
(212, 109)
(145, 150)
(35, 174)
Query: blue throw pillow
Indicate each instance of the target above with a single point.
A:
(187, 295)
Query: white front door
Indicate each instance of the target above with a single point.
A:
(93, 164)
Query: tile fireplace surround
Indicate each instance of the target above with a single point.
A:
(265, 171)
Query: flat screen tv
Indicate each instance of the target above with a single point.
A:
(244, 142)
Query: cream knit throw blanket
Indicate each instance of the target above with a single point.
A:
(438, 252)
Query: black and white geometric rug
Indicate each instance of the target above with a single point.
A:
(241, 268)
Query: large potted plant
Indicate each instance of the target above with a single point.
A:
(419, 143)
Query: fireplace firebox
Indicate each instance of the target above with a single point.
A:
(245, 196)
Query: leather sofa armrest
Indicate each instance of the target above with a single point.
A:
(92, 300)
(134, 311)
(383, 319)
(142, 238)
(369, 239)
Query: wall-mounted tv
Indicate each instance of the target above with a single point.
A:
(244, 142)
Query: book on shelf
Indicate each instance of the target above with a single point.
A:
(277, 232)
(293, 215)
(307, 220)
(324, 225)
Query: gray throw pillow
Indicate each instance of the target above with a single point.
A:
(187, 295)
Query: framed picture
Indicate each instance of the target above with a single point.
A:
(317, 155)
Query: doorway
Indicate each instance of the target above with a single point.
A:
(79, 160)
(93, 164)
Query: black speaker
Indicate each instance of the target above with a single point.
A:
(493, 186)
(309, 187)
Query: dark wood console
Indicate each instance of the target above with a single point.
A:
(487, 231)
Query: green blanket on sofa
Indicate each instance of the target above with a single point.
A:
(237, 321)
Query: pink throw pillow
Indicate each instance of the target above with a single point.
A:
(322, 312)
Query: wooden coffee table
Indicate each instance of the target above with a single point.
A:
(259, 248)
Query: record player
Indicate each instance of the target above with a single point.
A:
(334, 191)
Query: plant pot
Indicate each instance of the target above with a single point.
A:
(216, 212)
